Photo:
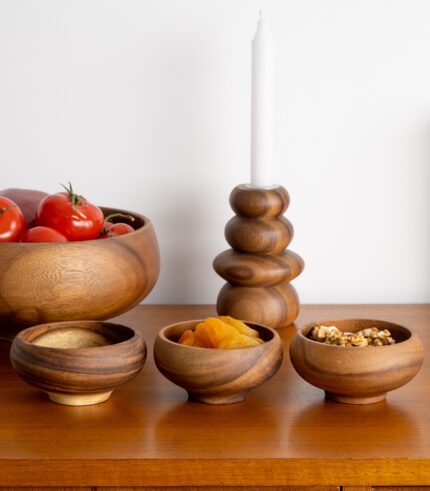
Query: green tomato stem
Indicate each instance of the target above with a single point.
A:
(75, 199)
(113, 215)
(2, 210)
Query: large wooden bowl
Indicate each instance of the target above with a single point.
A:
(93, 279)
(357, 375)
(79, 362)
(217, 376)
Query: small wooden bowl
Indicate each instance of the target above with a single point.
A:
(78, 363)
(217, 376)
(357, 375)
(65, 281)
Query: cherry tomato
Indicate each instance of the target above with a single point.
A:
(113, 229)
(71, 214)
(120, 228)
(42, 234)
(11, 221)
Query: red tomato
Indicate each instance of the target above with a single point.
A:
(120, 228)
(27, 201)
(71, 214)
(105, 234)
(113, 229)
(42, 234)
(11, 221)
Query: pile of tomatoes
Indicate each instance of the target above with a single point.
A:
(34, 216)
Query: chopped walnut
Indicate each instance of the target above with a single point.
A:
(371, 336)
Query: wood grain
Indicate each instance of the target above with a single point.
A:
(180, 488)
(217, 376)
(399, 488)
(276, 305)
(254, 269)
(78, 363)
(93, 279)
(259, 236)
(51, 488)
(257, 203)
(208, 472)
(225, 488)
(258, 269)
(357, 375)
(284, 434)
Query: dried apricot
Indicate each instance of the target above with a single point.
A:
(198, 343)
(187, 338)
(238, 341)
(202, 334)
(224, 332)
(239, 326)
(218, 330)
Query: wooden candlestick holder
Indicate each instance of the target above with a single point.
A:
(258, 269)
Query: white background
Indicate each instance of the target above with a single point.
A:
(144, 105)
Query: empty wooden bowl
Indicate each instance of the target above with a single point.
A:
(217, 376)
(78, 363)
(93, 279)
(355, 375)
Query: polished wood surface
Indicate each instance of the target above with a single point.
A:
(217, 376)
(93, 279)
(190, 488)
(258, 269)
(241, 269)
(284, 434)
(357, 375)
(78, 362)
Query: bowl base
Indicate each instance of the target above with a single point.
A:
(79, 399)
(346, 399)
(214, 399)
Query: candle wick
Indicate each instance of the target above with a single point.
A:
(261, 14)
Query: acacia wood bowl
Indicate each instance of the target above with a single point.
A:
(79, 362)
(217, 376)
(355, 375)
(92, 279)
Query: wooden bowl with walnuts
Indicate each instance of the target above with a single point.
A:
(356, 361)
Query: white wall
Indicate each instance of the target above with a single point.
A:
(145, 105)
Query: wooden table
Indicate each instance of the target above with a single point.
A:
(284, 434)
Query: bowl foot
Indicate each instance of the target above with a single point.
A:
(214, 399)
(79, 399)
(345, 399)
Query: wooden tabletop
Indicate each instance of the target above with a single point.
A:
(285, 433)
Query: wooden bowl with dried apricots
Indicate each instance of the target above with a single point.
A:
(357, 374)
(222, 375)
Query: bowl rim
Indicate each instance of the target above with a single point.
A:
(164, 338)
(146, 225)
(84, 350)
(300, 333)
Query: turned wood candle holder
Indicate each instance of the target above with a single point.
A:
(258, 269)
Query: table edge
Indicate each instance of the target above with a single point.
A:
(215, 472)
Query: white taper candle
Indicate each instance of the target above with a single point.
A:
(262, 106)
